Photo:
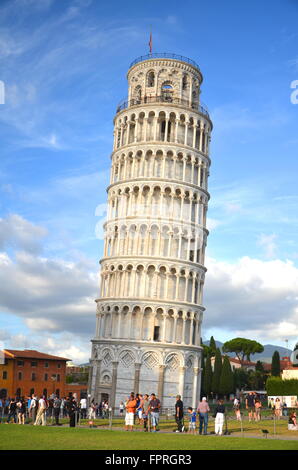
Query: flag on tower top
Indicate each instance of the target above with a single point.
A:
(150, 43)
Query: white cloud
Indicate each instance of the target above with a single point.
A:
(212, 223)
(267, 242)
(17, 232)
(252, 297)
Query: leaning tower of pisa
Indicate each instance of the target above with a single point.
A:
(149, 312)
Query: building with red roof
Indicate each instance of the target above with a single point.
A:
(23, 373)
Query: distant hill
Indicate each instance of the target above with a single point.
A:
(265, 356)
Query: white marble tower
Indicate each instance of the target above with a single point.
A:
(149, 313)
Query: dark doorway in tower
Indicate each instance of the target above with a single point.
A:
(156, 333)
(104, 397)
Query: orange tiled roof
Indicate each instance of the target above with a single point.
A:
(31, 354)
(245, 363)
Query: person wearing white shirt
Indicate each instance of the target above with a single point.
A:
(40, 418)
(83, 404)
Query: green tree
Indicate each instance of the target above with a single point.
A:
(212, 346)
(240, 378)
(242, 347)
(260, 367)
(207, 376)
(216, 372)
(275, 364)
(226, 384)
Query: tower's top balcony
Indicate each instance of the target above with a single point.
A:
(164, 78)
(164, 98)
(165, 55)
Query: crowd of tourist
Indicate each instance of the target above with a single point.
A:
(144, 410)
(138, 410)
(39, 410)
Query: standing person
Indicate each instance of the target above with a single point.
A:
(103, 409)
(21, 410)
(99, 413)
(258, 406)
(284, 409)
(56, 410)
(50, 409)
(154, 406)
(145, 409)
(121, 408)
(62, 407)
(92, 411)
(140, 409)
(236, 406)
(33, 408)
(219, 417)
(277, 408)
(131, 406)
(106, 407)
(179, 414)
(192, 420)
(203, 410)
(71, 408)
(28, 406)
(250, 405)
(272, 406)
(83, 405)
(41, 414)
(12, 411)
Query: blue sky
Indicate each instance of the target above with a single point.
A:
(64, 67)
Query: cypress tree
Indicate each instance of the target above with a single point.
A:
(275, 364)
(208, 376)
(216, 372)
(226, 384)
(212, 346)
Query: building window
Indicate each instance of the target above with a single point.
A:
(45, 392)
(3, 393)
(46, 364)
(167, 92)
(156, 333)
(33, 376)
(20, 363)
(46, 377)
(18, 392)
(58, 377)
(59, 365)
(150, 81)
(58, 392)
(4, 375)
(33, 363)
(31, 391)
(20, 375)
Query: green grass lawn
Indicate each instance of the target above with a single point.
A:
(17, 437)
(234, 426)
